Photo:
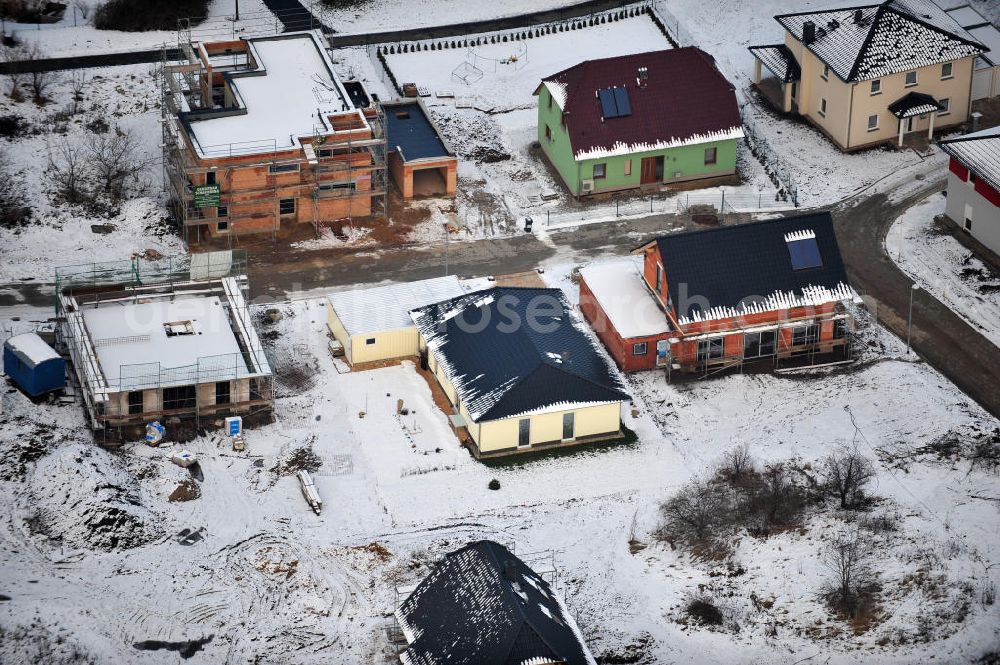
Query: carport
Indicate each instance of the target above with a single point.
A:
(420, 159)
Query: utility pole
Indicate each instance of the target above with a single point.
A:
(909, 318)
(237, 11)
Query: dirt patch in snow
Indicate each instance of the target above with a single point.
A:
(82, 496)
(188, 490)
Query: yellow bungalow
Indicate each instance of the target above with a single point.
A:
(519, 370)
(374, 324)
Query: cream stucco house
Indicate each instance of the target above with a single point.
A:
(871, 74)
(520, 370)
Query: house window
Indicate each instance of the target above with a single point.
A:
(222, 211)
(343, 187)
(286, 206)
(795, 90)
(659, 278)
(803, 335)
(709, 349)
(550, 100)
(710, 155)
(826, 73)
(628, 167)
(822, 107)
(945, 106)
(758, 345)
(600, 170)
(877, 87)
(911, 79)
(548, 133)
(370, 341)
(222, 392)
(210, 178)
(840, 329)
(946, 71)
(282, 168)
(524, 432)
(639, 349)
(179, 397)
(135, 402)
(222, 226)
(569, 424)
(873, 122)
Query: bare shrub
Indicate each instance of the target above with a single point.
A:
(702, 610)
(848, 559)
(83, 7)
(68, 171)
(13, 202)
(691, 514)
(77, 83)
(11, 57)
(738, 464)
(881, 523)
(117, 164)
(773, 501)
(39, 80)
(847, 472)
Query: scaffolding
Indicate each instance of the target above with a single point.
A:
(340, 167)
(216, 385)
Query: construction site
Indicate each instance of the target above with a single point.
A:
(261, 134)
(165, 338)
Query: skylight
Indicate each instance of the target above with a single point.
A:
(614, 102)
(803, 250)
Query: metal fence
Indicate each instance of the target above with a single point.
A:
(775, 166)
(672, 24)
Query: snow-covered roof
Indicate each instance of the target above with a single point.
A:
(381, 308)
(779, 61)
(979, 152)
(482, 605)
(289, 95)
(914, 104)
(31, 348)
(136, 348)
(860, 43)
(512, 351)
(618, 287)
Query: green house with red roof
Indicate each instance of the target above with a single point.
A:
(639, 121)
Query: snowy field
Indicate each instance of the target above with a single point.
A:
(946, 269)
(62, 234)
(270, 582)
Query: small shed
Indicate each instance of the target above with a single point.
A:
(420, 159)
(374, 324)
(33, 365)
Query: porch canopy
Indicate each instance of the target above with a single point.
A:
(913, 104)
(779, 61)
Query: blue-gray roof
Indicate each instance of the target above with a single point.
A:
(409, 129)
(483, 606)
(509, 351)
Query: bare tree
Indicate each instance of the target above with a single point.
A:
(117, 163)
(12, 57)
(775, 501)
(738, 464)
(692, 512)
(847, 473)
(67, 168)
(13, 208)
(83, 7)
(848, 558)
(40, 80)
(78, 81)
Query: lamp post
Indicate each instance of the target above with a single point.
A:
(909, 318)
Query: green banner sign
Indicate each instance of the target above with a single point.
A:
(206, 196)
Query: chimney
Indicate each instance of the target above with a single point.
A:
(808, 32)
(859, 16)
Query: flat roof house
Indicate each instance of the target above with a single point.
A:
(420, 160)
(261, 132)
(147, 347)
(767, 291)
(482, 605)
(974, 185)
(641, 120)
(520, 370)
(871, 74)
(374, 324)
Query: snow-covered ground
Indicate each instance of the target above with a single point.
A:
(946, 269)
(61, 234)
(273, 582)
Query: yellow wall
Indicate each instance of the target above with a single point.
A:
(547, 427)
(388, 344)
(337, 328)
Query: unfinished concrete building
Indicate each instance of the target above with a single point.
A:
(153, 340)
(262, 133)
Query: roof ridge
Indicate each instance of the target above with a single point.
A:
(557, 366)
(866, 44)
(890, 4)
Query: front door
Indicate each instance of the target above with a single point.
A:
(908, 124)
(524, 433)
(652, 170)
(569, 424)
(662, 352)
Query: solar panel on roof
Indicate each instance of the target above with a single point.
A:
(622, 102)
(804, 254)
(608, 107)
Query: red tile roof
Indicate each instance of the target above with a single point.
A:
(684, 100)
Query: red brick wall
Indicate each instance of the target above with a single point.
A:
(619, 349)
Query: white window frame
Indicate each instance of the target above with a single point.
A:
(604, 170)
(906, 78)
(946, 103)
(951, 71)
(822, 106)
(873, 128)
(876, 87)
(637, 346)
(295, 206)
(659, 279)
(826, 73)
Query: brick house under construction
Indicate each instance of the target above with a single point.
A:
(259, 133)
(704, 301)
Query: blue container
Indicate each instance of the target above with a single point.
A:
(33, 365)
